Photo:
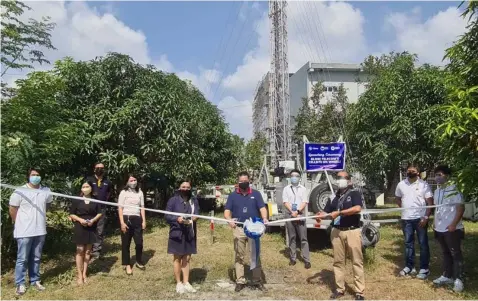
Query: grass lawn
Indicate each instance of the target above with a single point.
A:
(212, 270)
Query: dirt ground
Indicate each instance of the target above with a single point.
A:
(212, 271)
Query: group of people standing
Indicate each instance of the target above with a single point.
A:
(28, 212)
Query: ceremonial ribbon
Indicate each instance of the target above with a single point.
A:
(365, 211)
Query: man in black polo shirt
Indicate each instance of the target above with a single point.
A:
(101, 191)
(346, 235)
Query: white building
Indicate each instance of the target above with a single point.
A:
(332, 75)
(301, 84)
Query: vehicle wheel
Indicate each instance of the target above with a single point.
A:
(369, 198)
(319, 197)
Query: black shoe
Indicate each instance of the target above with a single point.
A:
(239, 287)
(292, 262)
(336, 295)
(307, 265)
(359, 297)
(260, 287)
(140, 266)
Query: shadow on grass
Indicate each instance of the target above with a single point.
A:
(325, 277)
(469, 248)
(103, 264)
(247, 274)
(198, 275)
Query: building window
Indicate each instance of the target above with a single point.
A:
(335, 89)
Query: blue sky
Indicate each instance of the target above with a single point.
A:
(222, 47)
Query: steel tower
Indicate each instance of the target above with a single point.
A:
(279, 135)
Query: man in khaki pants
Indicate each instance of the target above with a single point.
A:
(346, 236)
(242, 204)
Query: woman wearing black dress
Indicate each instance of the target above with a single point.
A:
(84, 214)
(182, 234)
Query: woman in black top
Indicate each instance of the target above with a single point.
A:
(84, 214)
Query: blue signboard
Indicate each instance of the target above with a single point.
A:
(324, 156)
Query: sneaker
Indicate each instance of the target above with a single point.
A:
(442, 280)
(359, 297)
(21, 289)
(260, 287)
(406, 272)
(38, 286)
(458, 286)
(189, 288)
(307, 265)
(423, 274)
(180, 288)
(292, 262)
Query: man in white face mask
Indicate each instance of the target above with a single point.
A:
(346, 235)
(294, 197)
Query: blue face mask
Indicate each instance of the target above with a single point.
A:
(35, 180)
(294, 180)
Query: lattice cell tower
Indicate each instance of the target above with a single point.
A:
(279, 136)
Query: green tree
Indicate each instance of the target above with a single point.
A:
(459, 131)
(319, 121)
(22, 43)
(394, 120)
(254, 152)
(133, 118)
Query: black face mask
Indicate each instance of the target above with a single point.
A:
(412, 175)
(99, 171)
(186, 193)
(244, 185)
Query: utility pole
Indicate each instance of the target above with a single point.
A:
(279, 135)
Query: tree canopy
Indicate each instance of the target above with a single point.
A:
(22, 43)
(111, 109)
(395, 119)
(459, 131)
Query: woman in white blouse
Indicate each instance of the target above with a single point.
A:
(133, 222)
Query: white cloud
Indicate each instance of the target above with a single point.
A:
(342, 25)
(427, 39)
(83, 33)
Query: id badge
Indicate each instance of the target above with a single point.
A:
(294, 207)
(337, 221)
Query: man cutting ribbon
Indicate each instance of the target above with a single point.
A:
(244, 204)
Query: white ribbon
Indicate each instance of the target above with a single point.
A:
(113, 204)
(365, 211)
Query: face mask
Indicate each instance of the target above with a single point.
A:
(244, 185)
(86, 191)
(411, 174)
(99, 171)
(186, 193)
(35, 180)
(294, 180)
(343, 183)
(132, 185)
(440, 179)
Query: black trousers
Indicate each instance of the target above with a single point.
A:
(450, 243)
(134, 231)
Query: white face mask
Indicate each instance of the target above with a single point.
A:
(342, 183)
(133, 184)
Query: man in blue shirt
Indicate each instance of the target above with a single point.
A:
(242, 204)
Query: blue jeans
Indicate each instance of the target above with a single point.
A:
(409, 228)
(28, 255)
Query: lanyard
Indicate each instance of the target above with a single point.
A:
(295, 197)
